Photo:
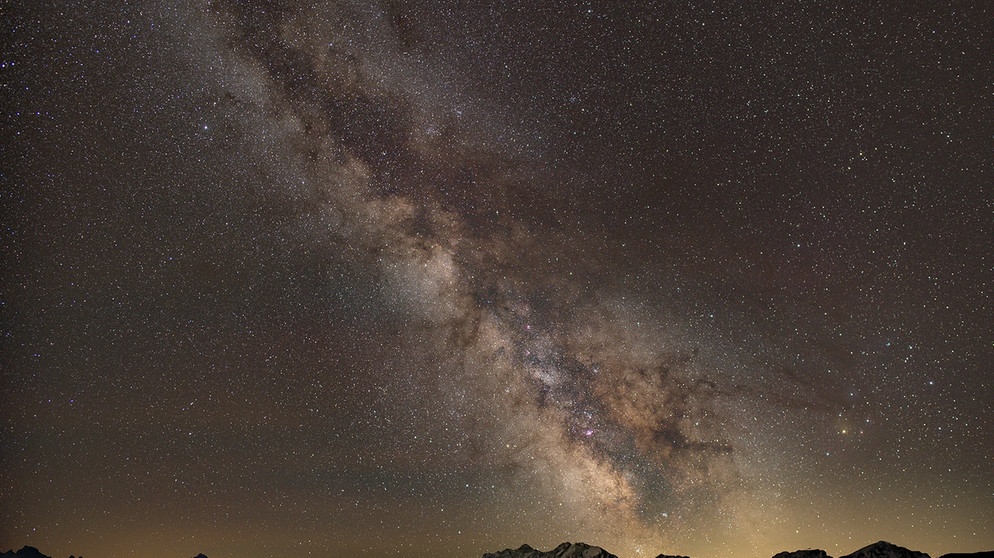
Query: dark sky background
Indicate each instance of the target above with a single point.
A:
(431, 279)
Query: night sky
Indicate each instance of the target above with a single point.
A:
(437, 278)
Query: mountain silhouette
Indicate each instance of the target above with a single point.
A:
(803, 554)
(884, 549)
(24, 552)
(565, 550)
(881, 549)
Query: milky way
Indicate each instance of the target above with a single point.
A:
(604, 410)
(351, 278)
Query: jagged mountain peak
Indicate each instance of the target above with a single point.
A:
(24, 552)
(564, 550)
(809, 553)
(884, 549)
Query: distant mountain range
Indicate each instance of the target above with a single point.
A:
(880, 549)
(565, 550)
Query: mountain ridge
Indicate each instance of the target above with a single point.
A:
(879, 549)
(564, 550)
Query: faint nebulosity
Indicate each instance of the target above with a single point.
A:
(436, 278)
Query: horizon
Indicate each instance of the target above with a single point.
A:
(382, 277)
(650, 555)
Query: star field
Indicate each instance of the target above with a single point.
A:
(437, 278)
